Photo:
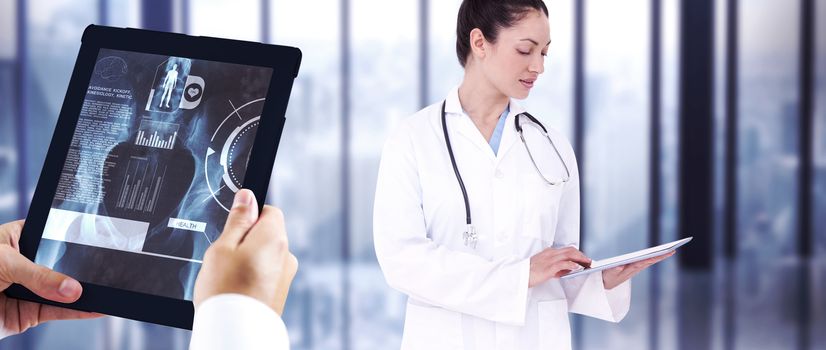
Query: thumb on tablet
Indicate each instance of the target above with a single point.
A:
(242, 216)
(39, 279)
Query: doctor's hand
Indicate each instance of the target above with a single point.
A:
(18, 315)
(554, 263)
(251, 256)
(617, 275)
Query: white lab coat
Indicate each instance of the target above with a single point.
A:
(235, 321)
(461, 298)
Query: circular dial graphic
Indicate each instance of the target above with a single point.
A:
(226, 158)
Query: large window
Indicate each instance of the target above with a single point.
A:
(8, 155)
(306, 181)
(121, 13)
(239, 19)
(445, 71)
(8, 30)
(615, 174)
(666, 284)
(767, 288)
(383, 91)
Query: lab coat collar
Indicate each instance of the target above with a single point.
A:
(452, 104)
(454, 107)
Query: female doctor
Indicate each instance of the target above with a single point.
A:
(476, 213)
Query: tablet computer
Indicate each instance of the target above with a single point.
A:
(599, 265)
(156, 133)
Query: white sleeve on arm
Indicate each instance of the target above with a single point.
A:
(587, 294)
(424, 270)
(235, 321)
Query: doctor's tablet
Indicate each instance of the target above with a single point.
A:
(599, 265)
(156, 134)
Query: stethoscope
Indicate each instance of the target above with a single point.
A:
(470, 236)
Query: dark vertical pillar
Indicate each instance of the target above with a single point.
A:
(696, 131)
(579, 132)
(654, 207)
(185, 27)
(156, 15)
(265, 21)
(731, 174)
(424, 63)
(805, 186)
(696, 169)
(103, 12)
(345, 171)
(732, 110)
(579, 105)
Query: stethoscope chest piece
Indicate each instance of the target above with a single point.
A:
(470, 236)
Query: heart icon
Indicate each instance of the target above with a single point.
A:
(193, 92)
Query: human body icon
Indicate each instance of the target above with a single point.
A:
(169, 85)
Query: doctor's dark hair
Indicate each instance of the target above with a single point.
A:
(489, 16)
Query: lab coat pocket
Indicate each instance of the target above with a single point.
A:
(554, 326)
(540, 207)
(430, 327)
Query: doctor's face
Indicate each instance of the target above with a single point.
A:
(518, 57)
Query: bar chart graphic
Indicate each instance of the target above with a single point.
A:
(141, 186)
(157, 134)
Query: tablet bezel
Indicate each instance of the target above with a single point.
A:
(283, 60)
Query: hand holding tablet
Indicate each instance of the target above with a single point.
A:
(18, 315)
(245, 259)
(630, 258)
(157, 133)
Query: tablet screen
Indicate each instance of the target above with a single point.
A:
(160, 148)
